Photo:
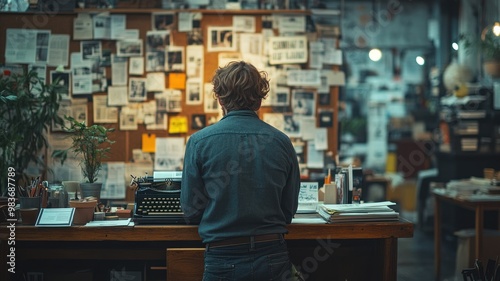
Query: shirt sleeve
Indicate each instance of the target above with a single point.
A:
(193, 195)
(290, 196)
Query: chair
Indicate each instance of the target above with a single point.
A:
(424, 179)
(185, 264)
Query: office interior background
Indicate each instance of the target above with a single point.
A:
(405, 63)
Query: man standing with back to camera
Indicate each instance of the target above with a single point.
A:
(241, 181)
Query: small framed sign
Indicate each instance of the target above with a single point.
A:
(55, 217)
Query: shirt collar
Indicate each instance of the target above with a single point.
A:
(249, 113)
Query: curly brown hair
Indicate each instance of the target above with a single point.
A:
(239, 85)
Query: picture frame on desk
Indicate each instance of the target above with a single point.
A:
(55, 217)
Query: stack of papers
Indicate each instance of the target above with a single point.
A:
(468, 186)
(365, 212)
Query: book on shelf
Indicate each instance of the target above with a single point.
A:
(471, 114)
(364, 212)
(467, 128)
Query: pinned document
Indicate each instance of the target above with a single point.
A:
(178, 124)
(148, 142)
(177, 80)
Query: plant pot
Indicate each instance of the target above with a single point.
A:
(84, 211)
(492, 68)
(91, 190)
(71, 186)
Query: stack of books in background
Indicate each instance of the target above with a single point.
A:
(365, 212)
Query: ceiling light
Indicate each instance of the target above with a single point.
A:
(375, 54)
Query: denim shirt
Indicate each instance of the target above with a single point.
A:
(240, 178)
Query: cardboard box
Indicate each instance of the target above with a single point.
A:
(466, 248)
(404, 193)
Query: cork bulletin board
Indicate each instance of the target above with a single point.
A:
(140, 19)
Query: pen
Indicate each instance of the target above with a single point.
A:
(44, 197)
(328, 178)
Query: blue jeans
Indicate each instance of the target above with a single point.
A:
(260, 261)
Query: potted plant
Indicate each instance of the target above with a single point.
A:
(488, 46)
(28, 107)
(92, 145)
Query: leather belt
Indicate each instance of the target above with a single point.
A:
(245, 240)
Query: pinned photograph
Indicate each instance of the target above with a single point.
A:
(210, 103)
(304, 102)
(42, 46)
(155, 61)
(193, 92)
(160, 122)
(281, 97)
(63, 79)
(324, 98)
(194, 61)
(156, 45)
(175, 58)
(221, 38)
(136, 66)
(162, 21)
(157, 40)
(128, 119)
(91, 49)
(173, 102)
(41, 72)
(195, 37)
(129, 48)
(137, 89)
(291, 125)
(161, 101)
(198, 121)
(325, 117)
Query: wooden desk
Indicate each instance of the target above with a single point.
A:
(36, 243)
(478, 207)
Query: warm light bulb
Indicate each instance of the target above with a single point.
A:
(420, 60)
(375, 54)
(496, 29)
(492, 30)
(454, 45)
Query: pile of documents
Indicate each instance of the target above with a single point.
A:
(365, 212)
(465, 187)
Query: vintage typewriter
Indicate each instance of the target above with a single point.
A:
(157, 199)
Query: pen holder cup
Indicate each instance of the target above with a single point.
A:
(30, 202)
(29, 215)
(84, 211)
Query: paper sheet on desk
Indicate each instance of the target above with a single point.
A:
(483, 197)
(308, 220)
(109, 223)
(358, 208)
